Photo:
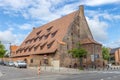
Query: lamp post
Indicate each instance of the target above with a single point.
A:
(10, 49)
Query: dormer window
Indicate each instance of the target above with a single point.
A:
(54, 33)
(38, 32)
(35, 48)
(46, 36)
(50, 44)
(42, 46)
(40, 37)
(49, 28)
(26, 42)
(35, 39)
(30, 49)
(16, 51)
(20, 51)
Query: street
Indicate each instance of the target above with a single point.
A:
(12, 73)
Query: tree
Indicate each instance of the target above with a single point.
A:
(105, 53)
(78, 52)
(2, 50)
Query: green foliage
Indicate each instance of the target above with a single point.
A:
(2, 50)
(78, 52)
(105, 53)
(81, 68)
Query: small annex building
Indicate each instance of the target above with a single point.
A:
(49, 43)
(115, 56)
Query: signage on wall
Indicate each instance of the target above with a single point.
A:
(92, 58)
(45, 56)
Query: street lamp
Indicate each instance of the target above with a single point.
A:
(10, 49)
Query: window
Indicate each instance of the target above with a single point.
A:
(71, 34)
(30, 49)
(31, 61)
(40, 37)
(26, 42)
(46, 36)
(67, 47)
(16, 51)
(54, 33)
(42, 46)
(25, 50)
(49, 28)
(35, 39)
(38, 32)
(50, 44)
(35, 48)
(20, 51)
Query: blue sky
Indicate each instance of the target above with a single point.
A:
(18, 17)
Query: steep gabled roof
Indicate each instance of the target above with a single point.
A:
(44, 35)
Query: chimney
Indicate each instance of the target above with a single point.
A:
(33, 28)
(81, 11)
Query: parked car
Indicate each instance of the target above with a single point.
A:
(1, 62)
(20, 64)
(10, 63)
(6, 63)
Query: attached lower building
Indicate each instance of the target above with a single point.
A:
(115, 56)
(49, 44)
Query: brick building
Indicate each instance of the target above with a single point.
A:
(115, 56)
(13, 49)
(49, 44)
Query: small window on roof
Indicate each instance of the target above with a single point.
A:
(46, 36)
(35, 48)
(29, 49)
(54, 33)
(38, 32)
(42, 46)
(20, 51)
(50, 44)
(40, 37)
(16, 51)
(26, 42)
(25, 50)
(48, 29)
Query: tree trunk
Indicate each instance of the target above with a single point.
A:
(81, 62)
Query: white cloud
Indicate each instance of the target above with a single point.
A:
(26, 26)
(7, 36)
(14, 4)
(113, 44)
(106, 15)
(99, 2)
(98, 28)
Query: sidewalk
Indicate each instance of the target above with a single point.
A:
(63, 70)
(0, 74)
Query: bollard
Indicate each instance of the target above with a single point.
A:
(38, 70)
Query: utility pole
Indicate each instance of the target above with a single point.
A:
(10, 49)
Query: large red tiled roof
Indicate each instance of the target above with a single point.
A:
(45, 38)
(88, 41)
